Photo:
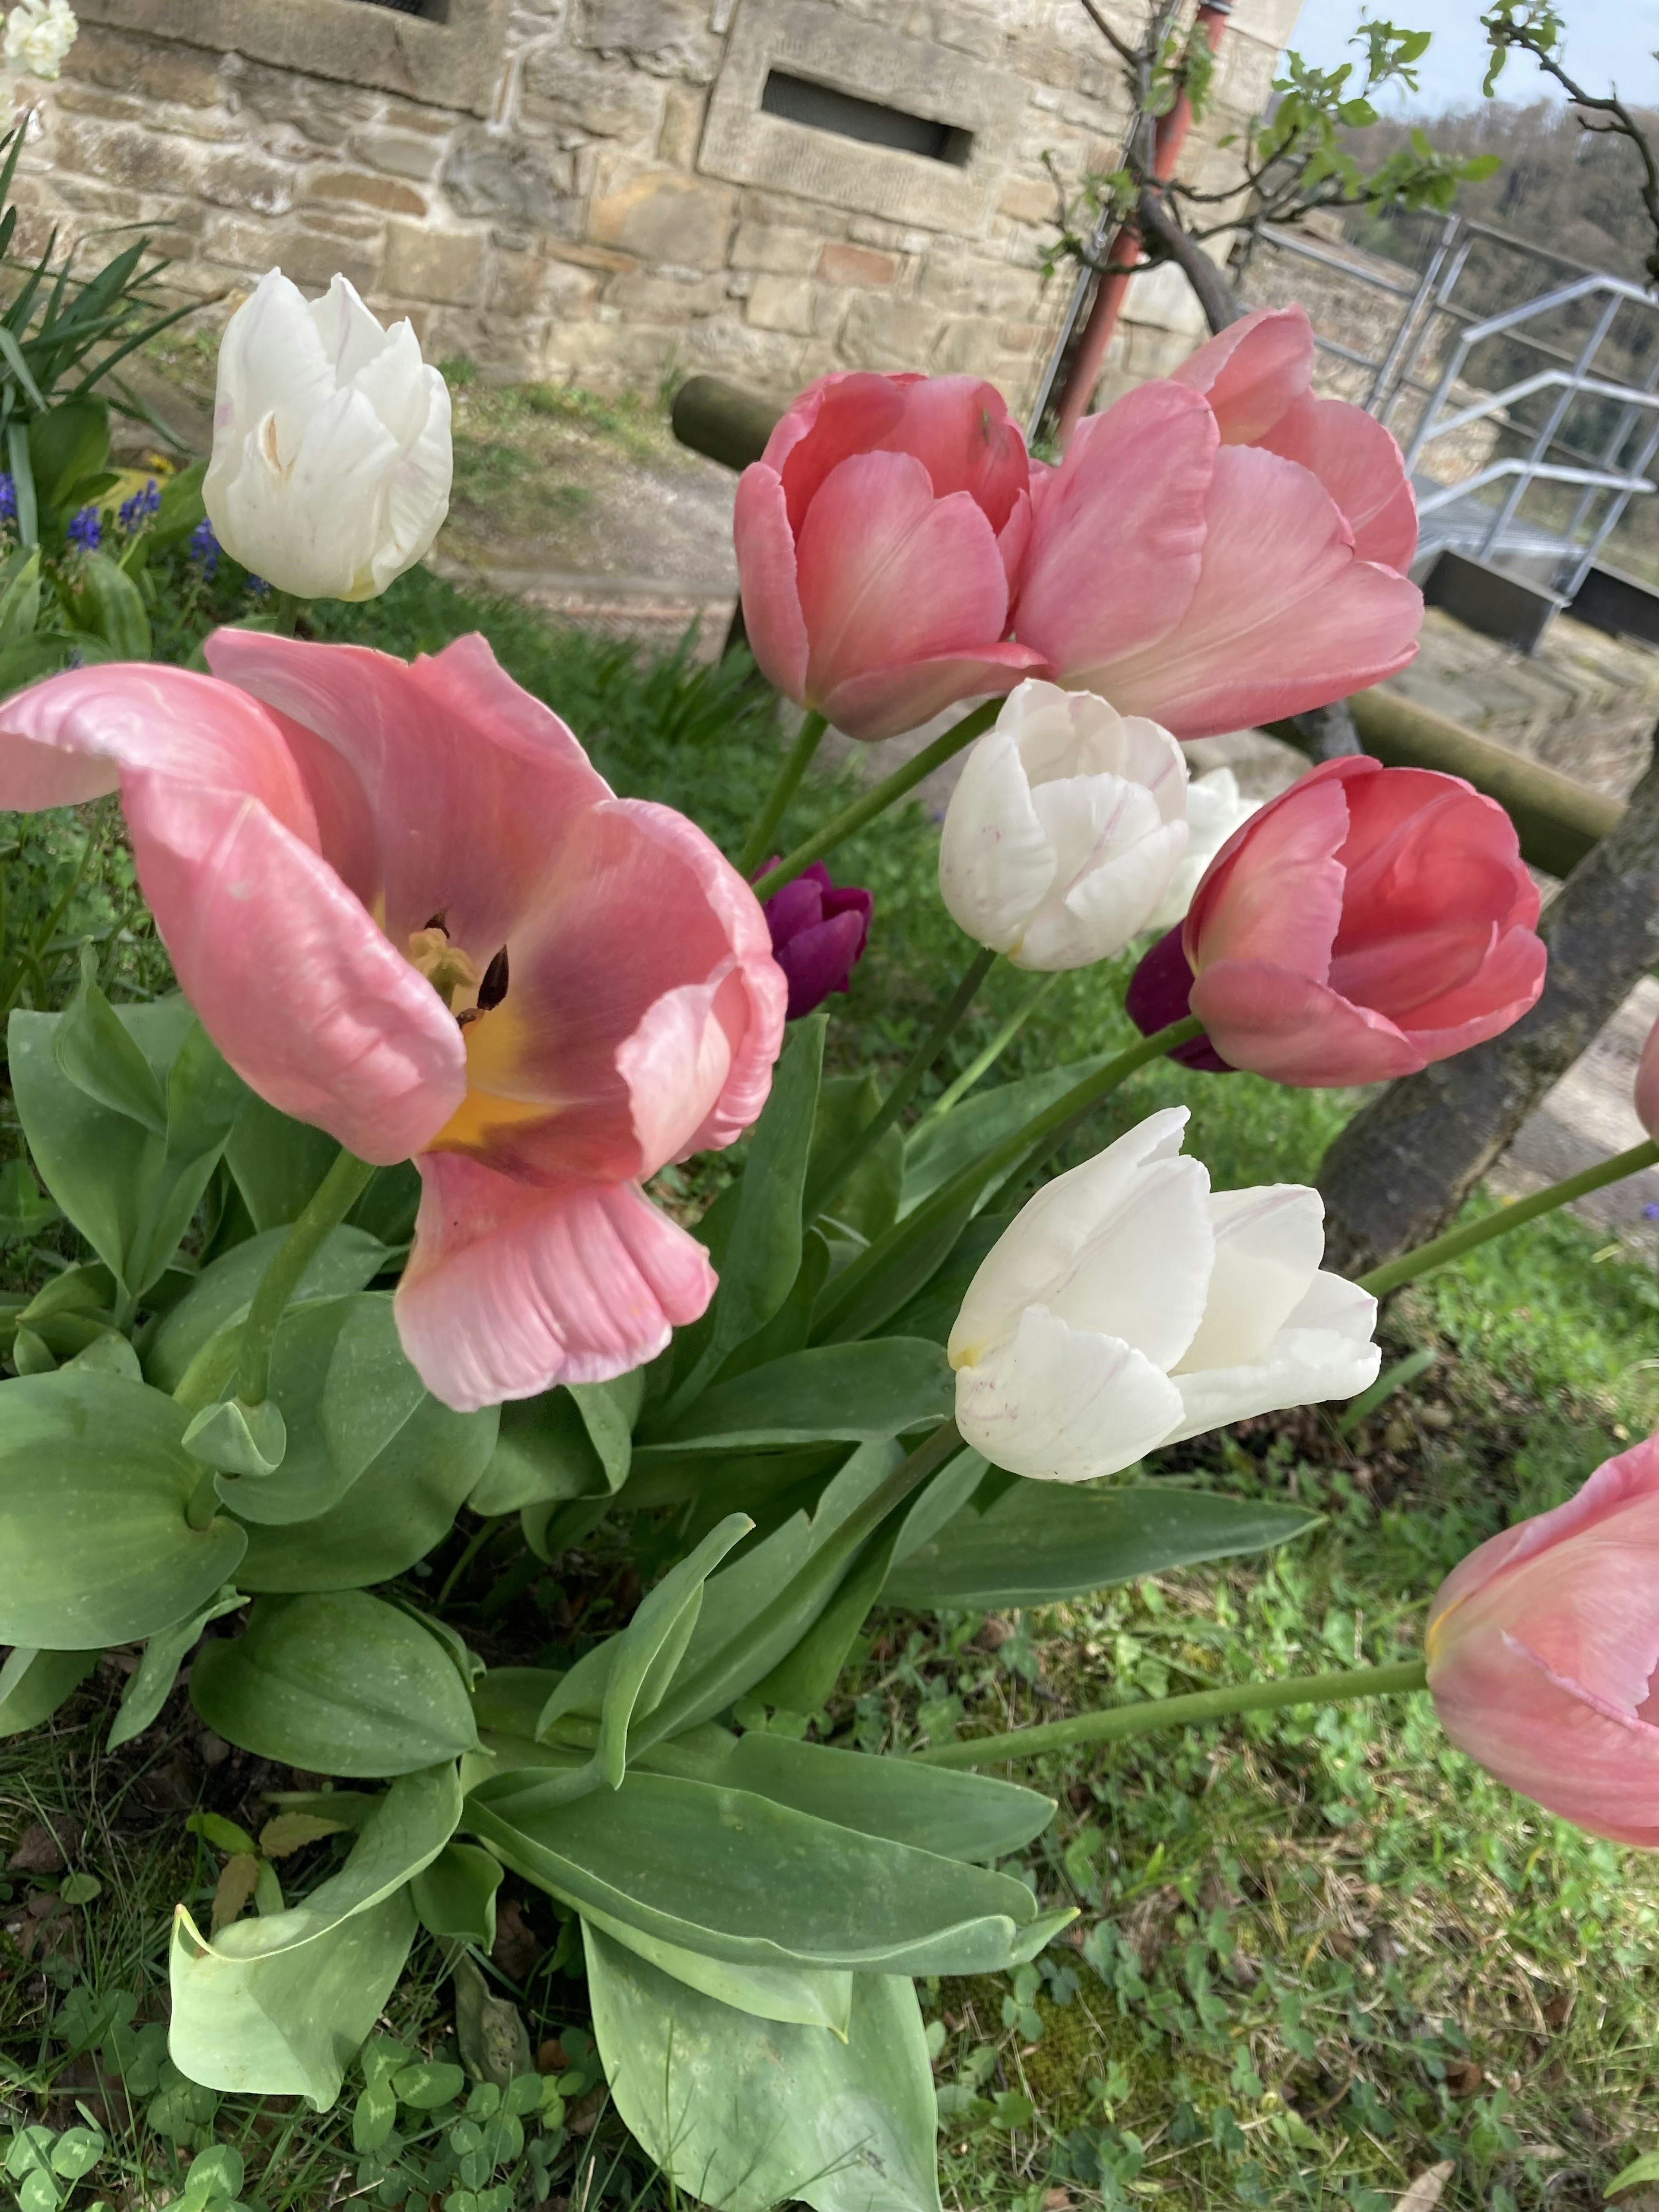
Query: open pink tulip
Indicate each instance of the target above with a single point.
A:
(408, 909)
(1366, 921)
(878, 538)
(1220, 548)
(1543, 1647)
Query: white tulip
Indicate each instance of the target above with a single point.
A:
(39, 34)
(331, 461)
(1128, 1305)
(1063, 834)
(1214, 811)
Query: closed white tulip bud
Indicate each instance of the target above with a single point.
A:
(332, 460)
(1214, 811)
(1063, 834)
(1128, 1305)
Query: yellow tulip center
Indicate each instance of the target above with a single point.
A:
(496, 1044)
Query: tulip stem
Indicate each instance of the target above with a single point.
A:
(1141, 1718)
(323, 1211)
(993, 1051)
(1025, 1152)
(841, 1170)
(1456, 1242)
(808, 738)
(851, 819)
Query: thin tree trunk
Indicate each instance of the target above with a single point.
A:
(1403, 1168)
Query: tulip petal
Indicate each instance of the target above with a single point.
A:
(1268, 1244)
(299, 991)
(850, 412)
(1253, 371)
(508, 1293)
(1361, 466)
(884, 703)
(957, 428)
(1550, 1738)
(1288, 1027)
(889, 574)
(272, 361)
(1278, 901)
(995, 862)
(771, 618)
(820, 960)
(1107, 886)
(470, 781)
(1261, 638)
(1118, 536)
(1299, 1367)
(1060, 1404)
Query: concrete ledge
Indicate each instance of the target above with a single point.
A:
(451, 64)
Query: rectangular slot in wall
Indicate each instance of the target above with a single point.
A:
(823, 108)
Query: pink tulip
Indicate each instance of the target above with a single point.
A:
(879, 539)
(1366, 921)
(408, 909)
(1542, 1648)
(1647, 1085)
(1220, 548)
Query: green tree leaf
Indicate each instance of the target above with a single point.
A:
(277, 2006)
(94, 1548)
(744, 2117)
(337, 1683)
(1044, 1542)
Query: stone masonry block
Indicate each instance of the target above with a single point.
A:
(776, 248)
(965, 286)
(398, 153)
(891, 334)
(682, 127)
(782, 303)
(488, 173)
(662, 215)
(177, 75)
(364, 188)
(860, 265)
(606, 99)
(245, 179)
(640, 297)
(669, 38)
(443, 266)
(969, 348)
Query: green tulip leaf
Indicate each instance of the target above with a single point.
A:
(947, 1143)
(868, 1202)
(94, 1546)
(809, 1997)
(278, 2005)
(1041, 1542)
(737, 1876)
(857, 1392)
(743, 2116)
(220, 1297)
(404, 1504)
(455, 1896)
(33, 1684)
(148, 1688)
(337, 1683)
(101, 1058)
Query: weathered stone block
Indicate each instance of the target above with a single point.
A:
(970, 348)
(146, 70)
(776, 247)
(862, 265)
(245, 179)
(574, 91)
(682, 127)
(1030, 199)
(669, 38)
(422, 263)
(398, 153)
(973, 287)
(128, 153)
(643, 298)
(782, 303)
(311, 256)
(487, 173)
(364, 188)
(885, 333)
(529, 285)
(662, 215)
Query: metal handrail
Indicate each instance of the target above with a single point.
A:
(1538, 471)
(1545, 377)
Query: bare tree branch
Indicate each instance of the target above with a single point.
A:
(1220, 303)
(1126, 53)
(1623, 123)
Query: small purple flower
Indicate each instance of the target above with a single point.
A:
(8, 500)
(1650, 1212)
(136, 510)
(258, 588)
(85, 530)
(204, 548)
(820, 930)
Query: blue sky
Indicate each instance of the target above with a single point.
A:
(1607, 39)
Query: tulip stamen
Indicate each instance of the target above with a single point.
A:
(493, 989)
(452, 975)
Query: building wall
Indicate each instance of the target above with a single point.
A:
(587, 188)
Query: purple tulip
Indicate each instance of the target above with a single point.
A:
(820, 930)
(1159, 994)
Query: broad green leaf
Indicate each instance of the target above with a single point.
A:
(543, 1454)
(854, 1392)
(221, 1294)
(743, 2117)
(426, 2084)
(337, 1683)
(99, 1056)
(1645, 2168)
(802, 1680)
(762, 1248)
(947, 1143)
(110, 604)
(455, 1896)
(131, 1193)
(737, 1876)
(277, 1162)
(393, 1515)
(891, 1797)
(20, 600)
(630, 1672)
(34, 1683)
(148, 1690)
(345, 1390)
(24, 1209)
(1044, 1542)
(933, 1311)
(811, 1998)
(277, 2006)
(870, 1200)
(66, 444)
(94, 1548)
(76, 2151)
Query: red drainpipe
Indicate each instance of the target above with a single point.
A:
(1169, 138)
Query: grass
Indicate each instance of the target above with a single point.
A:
(1318, 1953)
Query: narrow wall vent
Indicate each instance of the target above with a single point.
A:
(823, 108)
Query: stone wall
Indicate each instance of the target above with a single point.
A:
(589, 188)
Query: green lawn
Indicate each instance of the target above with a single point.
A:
(1316, 1954)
